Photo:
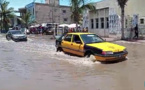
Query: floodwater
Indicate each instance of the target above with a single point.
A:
(34, 65)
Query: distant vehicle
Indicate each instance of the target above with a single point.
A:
(48, 31)
(52, 27)
(16, 35)
(90, 45)
(25, 30)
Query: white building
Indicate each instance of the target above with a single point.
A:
(107, 19)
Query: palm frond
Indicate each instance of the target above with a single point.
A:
(77, 8)
(6, 14)
(122, 3)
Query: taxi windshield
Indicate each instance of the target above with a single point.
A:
(91, 38)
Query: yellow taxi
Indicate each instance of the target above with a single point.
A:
(90, 45)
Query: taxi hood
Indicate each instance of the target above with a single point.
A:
(107, 46)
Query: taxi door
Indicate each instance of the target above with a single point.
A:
(66, 43)
(77, 46)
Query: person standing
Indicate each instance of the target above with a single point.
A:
(136, 31)
(40, 29)
(86, 29)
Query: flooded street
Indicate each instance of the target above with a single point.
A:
(35, 65)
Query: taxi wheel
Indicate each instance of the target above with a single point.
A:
(91, 57)
(59, 49)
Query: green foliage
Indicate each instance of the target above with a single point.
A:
(6, 15)
(77, 8)
(26, 19)
(122, 3)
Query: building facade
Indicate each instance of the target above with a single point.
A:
(52, 2)
(49, 12)
(107, 19)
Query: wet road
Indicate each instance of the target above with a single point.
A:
(34, 65)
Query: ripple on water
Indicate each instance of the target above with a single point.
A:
(49, 49)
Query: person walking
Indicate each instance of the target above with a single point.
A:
(136, 31)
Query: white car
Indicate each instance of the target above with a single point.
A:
(16, 35)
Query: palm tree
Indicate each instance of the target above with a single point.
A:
(0, 15)
(26, 20)
(122, 4)
(77, 8)
(6, 14)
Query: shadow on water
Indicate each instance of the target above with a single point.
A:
(20, 41)
(114, 62)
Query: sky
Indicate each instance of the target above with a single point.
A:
(22, 3)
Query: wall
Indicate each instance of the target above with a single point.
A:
(133, 7)
(66, 15)
(136, 7)
(45, 13)
(52, 2)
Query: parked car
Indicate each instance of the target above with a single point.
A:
(16, 35)
(90, 45)
(48, 31)
(25, 30)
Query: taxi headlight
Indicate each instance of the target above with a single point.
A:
(109, 52)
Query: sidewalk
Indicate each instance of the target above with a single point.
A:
(112, 38)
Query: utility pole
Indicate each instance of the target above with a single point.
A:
(53, 5)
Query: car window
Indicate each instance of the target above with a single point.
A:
(76, 38)
(16, 32)
(91, 38)
(68, 38)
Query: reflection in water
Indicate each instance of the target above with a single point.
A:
(34, 65)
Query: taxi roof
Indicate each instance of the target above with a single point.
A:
(80, 33)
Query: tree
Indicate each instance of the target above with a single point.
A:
(77, 8)
(26, 20)
(6, 15)
(122, 4)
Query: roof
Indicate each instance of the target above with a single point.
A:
(80, 33)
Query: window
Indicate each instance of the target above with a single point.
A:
(76, 38)
(91, 38)
(102, 23)
(68, 38)
(126, 23)
(97, 23)
(107, 22)
(141, 21)
(65, 19)
(33, 11)
(92, 23)
(63, 11)
(55, 10)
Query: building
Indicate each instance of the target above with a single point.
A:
(107, 19)
(48, 12)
